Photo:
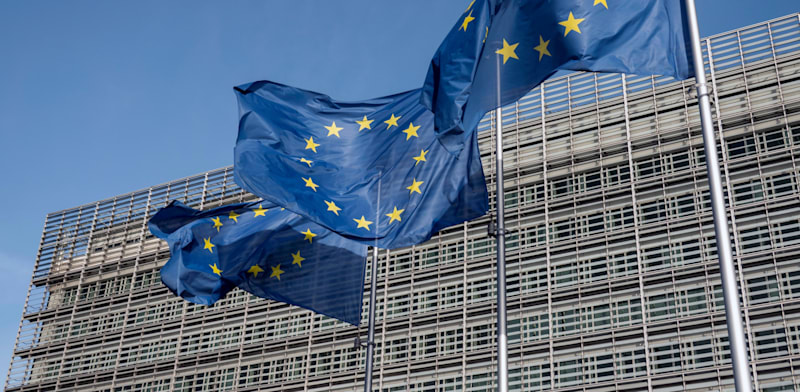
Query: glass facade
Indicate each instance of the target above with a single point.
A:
(613, 280)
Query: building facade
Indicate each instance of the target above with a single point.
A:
(613, 280)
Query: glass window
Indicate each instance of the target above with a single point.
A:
(741, 146)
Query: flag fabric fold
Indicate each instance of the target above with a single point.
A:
(498, 51)
(372, 171)
(263, 250)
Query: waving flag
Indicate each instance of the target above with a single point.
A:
(264, 250)
(500, 50)
(372, 171)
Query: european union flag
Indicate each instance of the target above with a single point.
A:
(500, 50)
(373, 170)
(264, 250)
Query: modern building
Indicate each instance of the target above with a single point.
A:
(612, 276)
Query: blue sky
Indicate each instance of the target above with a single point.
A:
(100, 98)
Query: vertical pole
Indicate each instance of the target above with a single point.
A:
(500, 236)
(500, 240)
(733, 313)
(371, 325)
(373, 294)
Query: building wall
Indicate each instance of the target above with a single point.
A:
(612, 273)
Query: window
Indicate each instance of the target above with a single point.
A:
(680, 206)
(748, 192)
(698, 354)
(561, 187)
(780, 185)
(796, 134)
(568, 372)
(616, 175)
(564, 229)
(786, 233)
(677, 161)
(535, 327)
(588, 181)
(567, 322)
(772, 140)
(623, 264)
(741, 147)
(665, 358)
(619, 218)
(479, 337)
(791, 284)
(763, 289)
(653, 211)
(451, 341)
(649, 167)
(755, 239)
(770, 343)
(630, 363)
(692, 301)
(626, 312)
(661, 307)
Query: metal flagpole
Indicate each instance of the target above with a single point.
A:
(371, 327)
(733, 313)
(372, 296)
(500, 239)
(500, 236)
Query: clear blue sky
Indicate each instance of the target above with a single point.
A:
(100, 98)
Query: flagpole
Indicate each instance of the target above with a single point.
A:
(730, 291)
(500, 237)
(372, 294)
(371, 325)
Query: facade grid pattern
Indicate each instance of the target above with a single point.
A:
(612, 271)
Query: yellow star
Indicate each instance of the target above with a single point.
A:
(508, 51)
(208, 245)
(310, 183)
(215, 269)
(309, 235)
(470, 5)
(363, 223)
(411, 131)
(217, 223)
(364, 124)
(234, 216)
(571, 24)
(332, 207)
(276, 272)
(395, 215)
(392, 121)
(603, 2)
(310, 145)
(255, 270)
(333, 129)
(542, 48)
(467, 19)
(306, 161)
(415, 187)
(421, 157)
(259, 211)
(297, 259)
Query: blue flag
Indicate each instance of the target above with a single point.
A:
(373, 170)
(501, 49)
(263, 250)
